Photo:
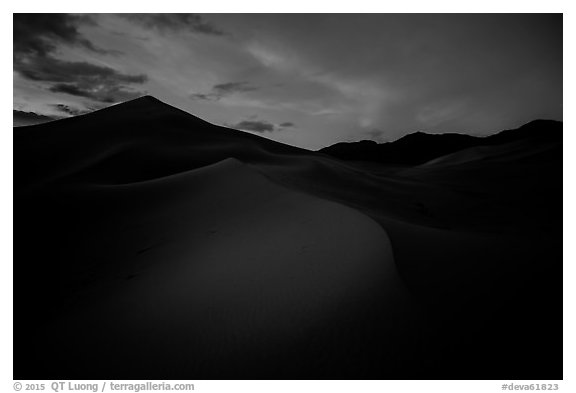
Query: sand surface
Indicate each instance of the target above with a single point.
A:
(151, 244)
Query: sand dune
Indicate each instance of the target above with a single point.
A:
(152, 244)
(222, 262)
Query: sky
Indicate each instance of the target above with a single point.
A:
(308, 80)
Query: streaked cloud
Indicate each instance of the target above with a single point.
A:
(37, 40)
(170, 23)
(260, 126)
(40, 34)
(107, 90)
(222, 90)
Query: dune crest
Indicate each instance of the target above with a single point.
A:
(154, 245)
(220, 259)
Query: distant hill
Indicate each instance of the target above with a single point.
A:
(420, 147)
(21, 118)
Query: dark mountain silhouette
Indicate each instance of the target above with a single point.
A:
(151, 244)
(133, 141)
(419, 147)
(21, 118)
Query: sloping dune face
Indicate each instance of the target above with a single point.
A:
(142, 269)
(150, 244)
(216, 268)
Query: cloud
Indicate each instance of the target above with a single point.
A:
(255, 125)
(37, 38)
(170, 23)
(82, 79)
(54, 70)
(233, 87)
(101, 92)
(70, 110)
(407, 72)
(203, 96)
(40, 34)
(260, 126)
(222, 90)
(21, 118)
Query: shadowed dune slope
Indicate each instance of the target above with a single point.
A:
(210, 272)
(152, 244)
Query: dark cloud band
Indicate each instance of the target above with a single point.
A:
(260, 126)
(223, 90)
(37, 38)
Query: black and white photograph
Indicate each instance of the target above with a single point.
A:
(288, 196)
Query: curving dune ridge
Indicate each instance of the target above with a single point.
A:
(153, 245)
